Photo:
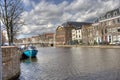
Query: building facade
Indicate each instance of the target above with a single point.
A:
(87, 34)
(77, 35)
(49, 37)
(97, 33)
(110, 26)
(60, 37)
(69, 32)
(105, 30)
(64, 33)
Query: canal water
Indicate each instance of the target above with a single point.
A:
(72, 64)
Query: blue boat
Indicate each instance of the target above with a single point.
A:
(30, 51)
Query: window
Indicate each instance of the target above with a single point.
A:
(102, 32)
(115, 13)
(109, 38)
(105, 30)
(118, 20)
(109, 22)
(108, 15)
(109, 30)
(113, 29)
(103, 23)
(119, 37)
(118, 30)
(113, 21)
(114, 38)
(102, 17)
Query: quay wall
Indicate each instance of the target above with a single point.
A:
(94, 46)
(10, 62)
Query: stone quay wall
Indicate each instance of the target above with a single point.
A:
(10, 62)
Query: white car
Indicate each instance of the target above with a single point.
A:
(115, 42)
(22, 47)
(5, 44)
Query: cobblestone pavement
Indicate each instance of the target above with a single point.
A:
(72, 64)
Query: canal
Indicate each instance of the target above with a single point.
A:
(72, 64)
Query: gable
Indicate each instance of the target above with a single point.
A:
(59, 28)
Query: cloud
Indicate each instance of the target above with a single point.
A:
(46, 16)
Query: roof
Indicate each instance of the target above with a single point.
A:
(77, 25)
(111, 13)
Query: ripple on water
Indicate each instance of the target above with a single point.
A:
(72, 64)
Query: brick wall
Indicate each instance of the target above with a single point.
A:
(10, 62)
(0, 64)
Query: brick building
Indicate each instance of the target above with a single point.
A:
(77, 34)
(49, 37)
(60, 35)
(97, 32)
(46, 37)
(87, 34)
(64, 33)
(110, 26)
(34, 39)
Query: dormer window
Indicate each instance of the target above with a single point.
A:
(103, 17)
(108, 15)
(115, 13)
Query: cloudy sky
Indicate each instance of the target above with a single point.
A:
(45, 15)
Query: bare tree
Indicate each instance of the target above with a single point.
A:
(10, 16)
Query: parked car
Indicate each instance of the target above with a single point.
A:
(5, 44)
(116, 42)
(21, 47)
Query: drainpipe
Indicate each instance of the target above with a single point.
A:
(0, 54)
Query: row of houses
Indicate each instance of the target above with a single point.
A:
(41, 38)
(69, 32)
(105, 30)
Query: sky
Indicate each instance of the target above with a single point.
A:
(43, 16)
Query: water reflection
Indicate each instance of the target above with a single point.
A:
(72, 64)
(29, 60)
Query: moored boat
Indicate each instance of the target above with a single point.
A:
(30, 51)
